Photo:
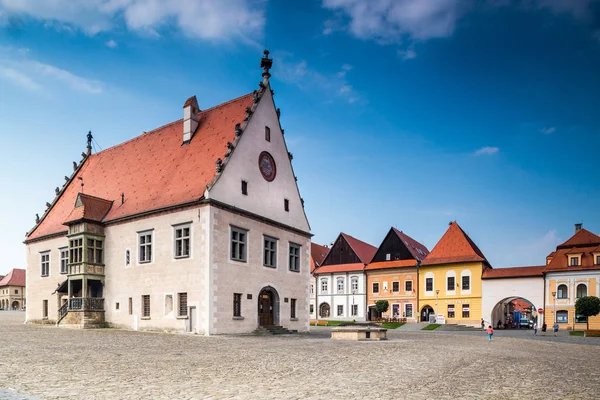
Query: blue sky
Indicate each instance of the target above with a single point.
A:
(406, 113)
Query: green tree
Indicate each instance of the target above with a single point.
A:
(588, 306)
(382, 306)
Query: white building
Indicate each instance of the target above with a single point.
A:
(341, 280)
(197, 225)
(317, 255)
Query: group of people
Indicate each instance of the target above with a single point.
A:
(490, 329)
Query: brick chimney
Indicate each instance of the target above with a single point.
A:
(190, 119)
(578, 227)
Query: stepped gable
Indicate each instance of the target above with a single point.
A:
(418, 250)
(363, 250)
(454, 247)
(16, 277)
(583, 242)
(153, 170)
(515, 272)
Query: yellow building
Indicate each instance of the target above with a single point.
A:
(450, 280)
(572, 271)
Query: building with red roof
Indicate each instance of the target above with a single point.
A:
(197, 225)
(12, 290)
(317, 255)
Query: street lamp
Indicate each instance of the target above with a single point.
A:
(554, 297)
(437, 292)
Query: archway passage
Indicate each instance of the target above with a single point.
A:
(15, 305)
(514, 312)
(268, 307)
(324, 310)
(426, 312)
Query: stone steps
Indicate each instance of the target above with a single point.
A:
(274, 330)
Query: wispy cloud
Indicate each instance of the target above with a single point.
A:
(548, 131)
(204, 19)
(486, 151)
(111, 43)
(18, 78)
(408, 54)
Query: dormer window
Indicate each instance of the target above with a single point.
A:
(598, 260)
(573, 261)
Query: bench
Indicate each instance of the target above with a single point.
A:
(591, 332)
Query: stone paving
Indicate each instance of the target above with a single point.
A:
(50, 363)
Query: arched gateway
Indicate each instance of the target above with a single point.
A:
(268, 307)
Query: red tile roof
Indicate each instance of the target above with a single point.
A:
(454, 247)
(516, 272)
(153, 170)
(318, 253)
(418, 251)
(16, 277)
(328, 269)
(583, 237)
(583, 242)
(391, 264)
(89, 208)
(363, 250)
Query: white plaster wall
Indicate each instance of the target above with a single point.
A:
(165, 275)
(264, 198)
(313, 297)
(40, 288)
(495, 290)
(251, 277)
(333, 298)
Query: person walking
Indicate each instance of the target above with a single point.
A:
(535, 329)
(490, 332)
(482, 324)
(544, 329)
(555, 329)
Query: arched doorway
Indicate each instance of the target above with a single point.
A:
(268, 307)
(15, 305)
(514, 312)
(426, 312)
(324, 310)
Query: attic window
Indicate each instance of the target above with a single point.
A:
(573, 261)
(286, 204)
(267, 134)
(388, 257)
(244, 188)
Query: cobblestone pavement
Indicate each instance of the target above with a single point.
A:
(51, 363)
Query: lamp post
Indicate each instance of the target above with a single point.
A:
(554, 297)
(437, 292)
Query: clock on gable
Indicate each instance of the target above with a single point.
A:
(267, 167)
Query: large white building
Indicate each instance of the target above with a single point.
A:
(197, 225)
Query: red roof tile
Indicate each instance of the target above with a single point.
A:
(318, 253)
(363, 250)
(391, 264)
(89, 208)
(454, 247)
(583, 242)
(516, 272)
(418, 251)
(583, 237)
(153, 170)
(328, 269)
(16, 277)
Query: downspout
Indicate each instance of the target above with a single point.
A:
(418, 310)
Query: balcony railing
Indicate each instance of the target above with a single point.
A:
(86, 304)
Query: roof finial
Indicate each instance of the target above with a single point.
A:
(266, 63)
(89, 143)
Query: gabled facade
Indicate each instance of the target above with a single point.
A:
(572, 271)
(12, 290)
(392, 275)
(195, 226)
(450, 279)
(317, 255)
(341, 280)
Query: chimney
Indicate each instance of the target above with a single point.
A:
(190, 119)
(578, 227)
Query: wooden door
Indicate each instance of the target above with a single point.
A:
(265, 308)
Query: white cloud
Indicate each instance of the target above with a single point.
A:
(486, 151)
(408, 54)
(578, 8)
(73, 81)
(112, 44)
(18, 78)
(548, 131)
(205, 19)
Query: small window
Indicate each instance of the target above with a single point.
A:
(64, 260)
(562, 317)
(323, 285)
(466, 311)
(182, 241)
(244, 188)
(354, 284)
(238, 244)
(450, 310)
(562, 292)
(168, 304)
(127, 257)
(286, 204)
(451, 283)
(237, 304)
(146, 306)
(94, 251)
(340, 285)
(340, 310)
(117, 305)
(45, 264)
(395, 286)
(294, 257)
(466, 282)
(597, 260)
(375, 287)
(145, 249)
(45, 309)
(354, 309)
(574, 261)
(429, 284)
(267, 134)
(581, 290)
(75, 251)
(293, 308)
(408, 286)
(16, 291)
(131, 306)
(312, 288)
(183, 308)
(388, 257)
(312, 308)
(270, 252)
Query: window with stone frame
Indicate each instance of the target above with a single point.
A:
(130, 306)
(466, 311)
(146, 306)
(375, 287)
(237, 304)
(354, 310)
(581, 290)
(182, 241)
(182, 304)
(145, 247)
(340, 310)
(562, 317)
(562, 292)
(292, 308)
(450, 310)
(466, 282)
(323, 285)
(429, 284)
(294, 262)
(270, 252)
(75, 251)
(64, 260)
(340, 285)
(95, 251)
(354, 284)
(395, 286)
(239, 240)
(408, 286)
(45, 264)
